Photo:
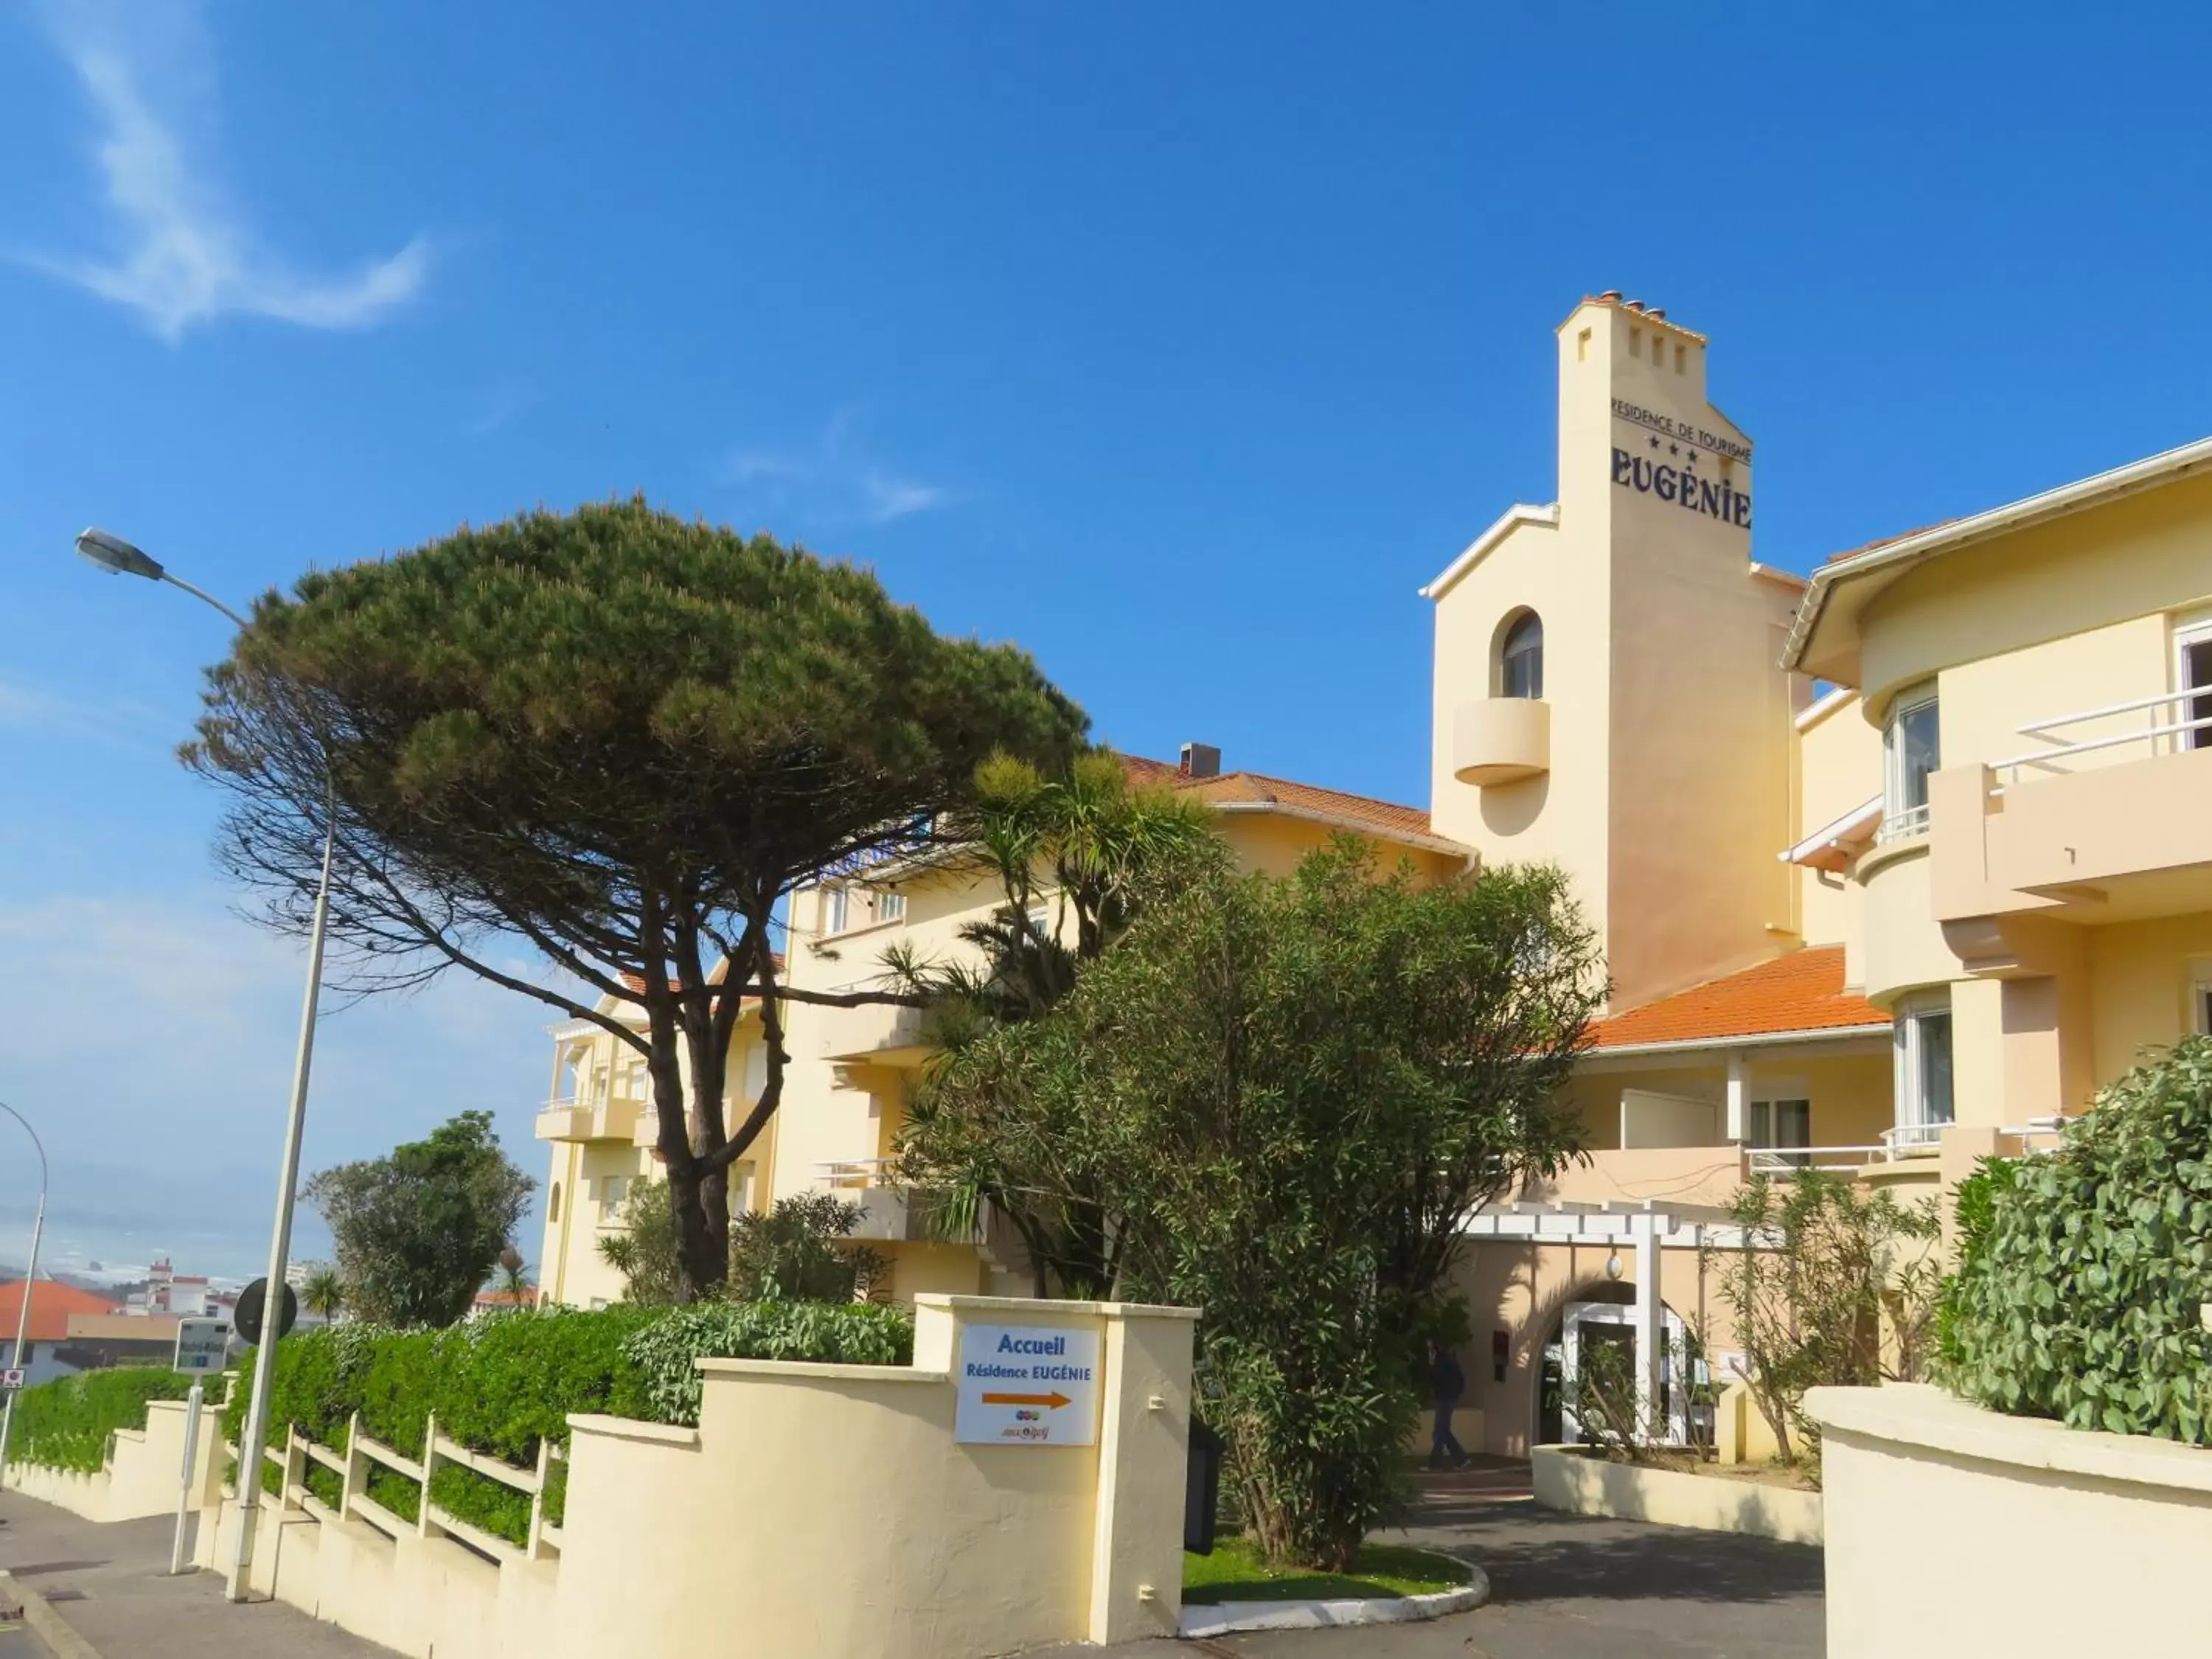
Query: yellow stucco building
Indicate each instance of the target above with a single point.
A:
(1891, 866)
(846, 1083)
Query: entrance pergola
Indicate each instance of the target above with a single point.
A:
(1643, 1228)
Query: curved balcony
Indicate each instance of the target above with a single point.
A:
(1501, 740)
(615, 1119)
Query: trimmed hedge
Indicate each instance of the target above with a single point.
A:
(2083, 1269)
(829, 1333)
(504, 1383)
(65, 1424)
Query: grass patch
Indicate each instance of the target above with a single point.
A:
(1234, 1572)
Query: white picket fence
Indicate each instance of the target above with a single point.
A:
(352, 1467)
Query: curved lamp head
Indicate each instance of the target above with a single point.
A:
(115, 555)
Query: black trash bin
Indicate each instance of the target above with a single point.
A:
(1202, 1496)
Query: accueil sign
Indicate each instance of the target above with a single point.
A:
(1027, 1385)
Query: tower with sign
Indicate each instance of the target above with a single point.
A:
(1607, 691)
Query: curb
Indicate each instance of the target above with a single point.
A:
(51, 1627)
(1221, 1618)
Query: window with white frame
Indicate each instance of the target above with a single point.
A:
(2192, 672)
(890, 906)
(1779, 1126)
(2200, 998)
(613, 1190)
(1923, 1044)
(1039, 917)
(1911, 747)
(835, 906)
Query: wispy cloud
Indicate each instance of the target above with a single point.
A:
(185, 253)
(163, 1063)
(28, 708)
(831, 481)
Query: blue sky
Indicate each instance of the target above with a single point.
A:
(1179, 344)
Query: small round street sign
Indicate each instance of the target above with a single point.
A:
(248, 1318)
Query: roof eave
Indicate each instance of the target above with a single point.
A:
(2076, 497)
(1736, 1040)
(1520, 513)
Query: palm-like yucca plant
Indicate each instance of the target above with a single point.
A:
(1070, 854)
(323, 1292)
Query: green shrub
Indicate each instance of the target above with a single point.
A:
(482, 1502)
(65, 1424)
(2079, 1297)
(1974, 1206)
(504, 1383)
(399, 1493)
(325, 1484)
(838, 1334)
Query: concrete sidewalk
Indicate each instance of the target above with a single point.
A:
(110, 1584)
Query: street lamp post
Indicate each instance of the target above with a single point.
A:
(30, 1277)
(119, 558)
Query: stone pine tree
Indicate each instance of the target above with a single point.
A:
(609, 743)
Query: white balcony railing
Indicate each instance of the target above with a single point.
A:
(1906, 1139)
(852, 1173)
(1903, 825)
(2157, 729)
(1789, 1160)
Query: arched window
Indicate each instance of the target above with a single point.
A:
(1521, 657)
(553, 1204)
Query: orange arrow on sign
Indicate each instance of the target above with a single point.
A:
(1055, 1400)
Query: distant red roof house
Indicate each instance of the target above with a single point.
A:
(51, 1304)
(1800, 992)
(527, 1298)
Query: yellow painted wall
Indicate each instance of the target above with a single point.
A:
(969, 1549)
(1931, 1505)
(929, 1269)
(1905, 948)
(2141, 974)
(1660, 671)
(2133, 558)
(1839, 767)
(1983, 703)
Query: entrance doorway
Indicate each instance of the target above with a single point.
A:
(1606, 1314)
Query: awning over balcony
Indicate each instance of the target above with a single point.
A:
(1836, 843)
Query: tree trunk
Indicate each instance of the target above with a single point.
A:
(698, 1199)
(702, 1249)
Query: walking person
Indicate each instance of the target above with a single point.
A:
(1447, 1383)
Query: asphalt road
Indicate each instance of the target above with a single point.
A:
(1573, 1587)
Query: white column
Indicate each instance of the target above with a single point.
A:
(1647, 1305)
(1738, 1116)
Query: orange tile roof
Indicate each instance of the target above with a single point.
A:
(1384, 817)
(51, 1304)
(1800, 992)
